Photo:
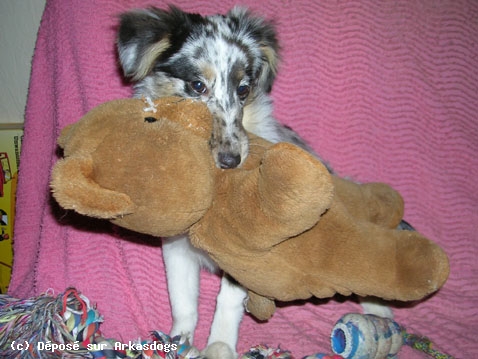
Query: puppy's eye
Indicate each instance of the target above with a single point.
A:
(150, 119)
(199, 87)
(243, 91)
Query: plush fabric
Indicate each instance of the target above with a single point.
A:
(385, 90)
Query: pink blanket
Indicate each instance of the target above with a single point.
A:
(386, 90)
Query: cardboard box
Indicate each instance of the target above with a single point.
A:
(11, 136)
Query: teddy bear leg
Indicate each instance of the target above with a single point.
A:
(408, 267)
(260, 307)
(422, 266)
(385, 263)
(373, 202)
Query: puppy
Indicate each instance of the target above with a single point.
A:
(230, 63)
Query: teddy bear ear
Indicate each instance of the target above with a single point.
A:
(74, 188)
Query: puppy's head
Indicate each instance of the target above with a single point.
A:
(224, 60)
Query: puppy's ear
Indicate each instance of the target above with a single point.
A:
(146, 36)
(264, 34)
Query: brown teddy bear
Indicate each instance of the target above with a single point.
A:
(280, 225)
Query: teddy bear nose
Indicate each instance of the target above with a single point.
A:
(228, 160)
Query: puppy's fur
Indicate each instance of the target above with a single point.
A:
(229, 62)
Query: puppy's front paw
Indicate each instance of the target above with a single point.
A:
(219, 350)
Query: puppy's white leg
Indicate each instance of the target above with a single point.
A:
(182, 272)
(228, 315)
(376, 306)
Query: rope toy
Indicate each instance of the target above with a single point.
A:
(67, 326)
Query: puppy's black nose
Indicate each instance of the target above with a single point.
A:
(228, 160)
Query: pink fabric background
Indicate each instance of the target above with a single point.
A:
(385, 90)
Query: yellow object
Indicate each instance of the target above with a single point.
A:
(11, 136)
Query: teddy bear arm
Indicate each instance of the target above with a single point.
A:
(293, 189)
(259, 208)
